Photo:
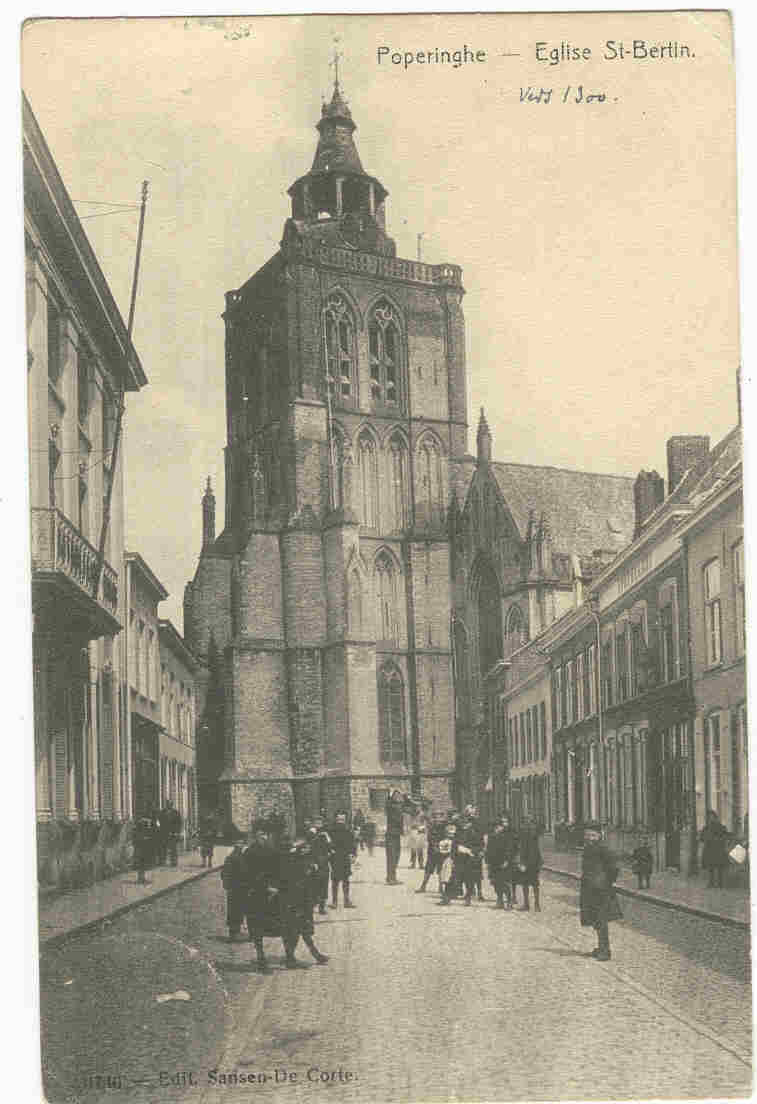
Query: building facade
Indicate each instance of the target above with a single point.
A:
(526, 732)
(632, 748)
(80, 366)
(177, 748)
(713, 547)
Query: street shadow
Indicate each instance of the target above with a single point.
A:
(564, 952)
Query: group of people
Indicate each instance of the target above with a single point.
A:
(156, 839)
(275, 882)
(457, 847)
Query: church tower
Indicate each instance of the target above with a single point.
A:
(328, 592)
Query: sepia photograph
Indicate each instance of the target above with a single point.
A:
(386, 557)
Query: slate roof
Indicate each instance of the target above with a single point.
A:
(585, 511)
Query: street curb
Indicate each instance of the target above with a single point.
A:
(664, 902)
(72, 933)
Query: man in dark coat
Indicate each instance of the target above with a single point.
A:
(233, 874)
(260, 867)
(529, 863)
(368, 834)
(468, 852)
(715, 839)
(434, 860)
(395, 807)
(598, 900)
(294, 885)
(642, 863)
(170, 820)
(358, 823)
(501, 852)
(343, 851)
(144, 847)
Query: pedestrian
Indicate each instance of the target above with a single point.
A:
(529, 863)
(478, 839)
(434, 836)
(294, 883)
(394, 811)
(447, 854)
(715, 839)
(320, 843)
(276, 825)
(368, 835)
(171, 823)
(358, 824)
(343, 851)
(642, 863)
(501, 850)
(207, 840)
(417, 838)
(598, 899)
(260, 877)
(160, 843)
(467, 854)
(144, 847)
(233, 876)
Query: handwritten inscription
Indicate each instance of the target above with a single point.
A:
(571, 94)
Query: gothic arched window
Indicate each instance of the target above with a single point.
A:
(515, 628)
(340, 351)
(385, 347)
(398, 488)
(387, 613)
(489, 619)
(355, 604)
(391, 716)
(429, 503)
(368, 481)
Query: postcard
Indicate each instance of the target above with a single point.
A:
(387, 557)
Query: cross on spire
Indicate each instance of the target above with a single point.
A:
(336, 60)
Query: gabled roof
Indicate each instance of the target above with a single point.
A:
(585, 511)
(701, 480)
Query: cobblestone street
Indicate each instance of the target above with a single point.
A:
(417, 1003)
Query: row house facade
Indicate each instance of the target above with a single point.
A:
(80, 365)
(177, 748)
(631, 746)
(160, 690)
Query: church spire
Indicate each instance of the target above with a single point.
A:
(208, 516)
(484, 440)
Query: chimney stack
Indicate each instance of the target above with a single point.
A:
(684, 453)
(208, 516)
(648, 493)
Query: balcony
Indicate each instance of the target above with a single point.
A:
(63, 575)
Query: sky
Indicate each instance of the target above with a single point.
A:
(597, 240)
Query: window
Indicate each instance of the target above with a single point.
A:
(53, 459)
(569, 698)
(515, 629)
(607, 674)
(593, 782)
(516, 746)
(580, 688)
(535, 731)
(739, 768)
(82, 520)
(667, 644)
(391, 716)
(83, 374)
(712, 612)
(54, 343)
(628, 809)
(591, 680)
(558, 698)
(429, 504)
(384, 348)
(713, 752)
(640, 756)
(543, 727)
(386, 594)
(340, 351)
(512, 742)
(738, 586)
(529, 738)
(523, 748)
(612, 782)
(398, 483)
(638, 658)
(368, 481)
(621, 653)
